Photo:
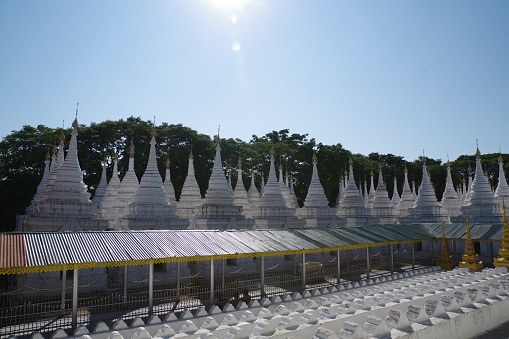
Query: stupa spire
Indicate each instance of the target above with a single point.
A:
(316, 196)
(426, 197)
(168, 186)
(218, 191)
(272, 195)
(407, 199)
(252, 194)
(190, 196)
(480, 192)
(502, 190)
(69, 185)
(151, 191)
(450, 204)
(395, 195)
(103, 183)
(240, 195)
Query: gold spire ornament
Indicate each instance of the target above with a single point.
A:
(444, 259)
(503, 252)
(470, 258)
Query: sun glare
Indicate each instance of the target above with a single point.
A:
(229, 5)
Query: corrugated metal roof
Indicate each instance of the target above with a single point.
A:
(12, 250)
(74, 248)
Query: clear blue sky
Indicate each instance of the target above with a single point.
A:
(376, 76)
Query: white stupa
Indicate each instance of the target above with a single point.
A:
(66, 204)
(240, 195)
(407, 199)
(150, 208)
(168, 186)
(351, 209)
(252, 194)
(272, 211)
(427, 208)
(382, 210)
(218, 210)
(395, 194)
(316, 210)
(502, 191)
(190, 196)
(450, 205)
(100, 190)
(481, 205)
(372, 191)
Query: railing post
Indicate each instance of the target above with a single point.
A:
(126, 277)
(64, 285)
(262, 277)
(211, 281)
(178, 280)
(338, 256)
(413, 256)
(391, 252)
(151, 288)
(348, 260)
(304, 271)
(223, 265)
(368, 262)
(74, 320)
(432, 252)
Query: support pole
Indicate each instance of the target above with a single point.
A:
(338, 256)
(391, 255)
(178, 281)
(348, 260)
(262, 277)
(295, 264)
(126, 276)
(304, 271)
(151, 288)
(211, 281)
(413, 256)
(74, 320)
(64, 285)
(368, 261)
(432, 252)
(223, 267)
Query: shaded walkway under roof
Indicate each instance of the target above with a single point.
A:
(52, 251)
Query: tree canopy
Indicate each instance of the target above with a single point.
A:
(22, 155)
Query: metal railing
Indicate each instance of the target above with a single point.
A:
(25, 309)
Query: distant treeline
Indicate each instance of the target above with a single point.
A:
(22, 155)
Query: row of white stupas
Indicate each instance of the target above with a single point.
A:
(62, 202)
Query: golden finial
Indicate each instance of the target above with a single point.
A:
(477, 152)
(115, 156)
(350, 161)
(191, 153)
(131, 146)
(54, 151)
(500, 159)
(406, 169)
(272, 150)
(167, 162)
(153, 131)
(75, 122)
(239, 163)
(380, 165)
(47, 155)
(62, 135)
(315, 158)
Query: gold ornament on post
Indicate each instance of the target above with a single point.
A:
(445, 259)
(470, 258)
(503, 252)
